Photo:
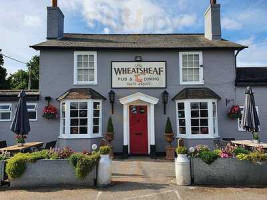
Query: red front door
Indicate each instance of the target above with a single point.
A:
(138, 130)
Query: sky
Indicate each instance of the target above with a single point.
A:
(23, 23)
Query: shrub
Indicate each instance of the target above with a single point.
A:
(16, 166)
(181, 150)
(84, 164)
(168, 126)
(104, 150)
(240, 150)
(255, 156)
(217, 151)
(110, 127)
(208, 156)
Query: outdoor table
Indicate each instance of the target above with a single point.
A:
(16, 148)
(249, 143)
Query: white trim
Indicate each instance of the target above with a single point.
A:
(240, 129)
(187, 111)
(89, 118)
(31, 110)
(6, 111)
(201, 76)
(75, 81)
(139, 99)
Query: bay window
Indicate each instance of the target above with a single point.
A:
(197, 118)
(85, 67)
(191, 68)
(81, 118)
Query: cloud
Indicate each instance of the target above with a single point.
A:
(231, 24)
(32, 21)
(106, 30)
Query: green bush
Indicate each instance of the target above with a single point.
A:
(16, 165)
(110, 127)
(252, 156)
(217, 151)
(208, 156)
(83, 164)
(104, 150)
(181, 150)
(168, 127)
(240, 150)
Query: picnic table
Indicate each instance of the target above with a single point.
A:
(249, 143)
(16, 148)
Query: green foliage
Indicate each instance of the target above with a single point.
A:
(208, 156)
(104, 150)
(256, 136)
(110, 127)
(19, 80)
(240, 150)
(217, 151)
(168, 126)
(181, 150)
(242, 156)
(34, 65)
(3, 75)
(83, 164)
(16, 165)
(4, 155)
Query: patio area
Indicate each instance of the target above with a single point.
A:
(138, 178)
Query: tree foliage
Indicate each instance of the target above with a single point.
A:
(4, 83)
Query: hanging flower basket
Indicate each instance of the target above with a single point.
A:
(50, 112)
(234, 112)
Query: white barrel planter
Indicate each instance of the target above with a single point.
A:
(182, 170)
(104, 170)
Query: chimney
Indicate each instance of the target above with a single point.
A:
(213, 21)
(55, 22)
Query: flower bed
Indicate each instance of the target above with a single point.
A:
(228, 166)
(52, 167)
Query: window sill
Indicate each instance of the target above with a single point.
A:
(6, 120)
(81, 137)
(89, 83)
(197, 137)
(193, 83)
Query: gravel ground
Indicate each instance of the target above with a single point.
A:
(138, 178)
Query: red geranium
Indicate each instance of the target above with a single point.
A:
(234, 112)
(50, 112)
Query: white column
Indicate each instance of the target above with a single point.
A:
(125, 124)
(152, 125)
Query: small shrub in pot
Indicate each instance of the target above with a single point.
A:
(105, 150)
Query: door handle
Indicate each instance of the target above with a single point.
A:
(138, 133)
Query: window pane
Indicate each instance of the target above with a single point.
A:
(83, 105)
(5, 107)
(96, 105)
(194, 113)
(182, 130)
(204, 130)
(73, 105)
(31, 115)
(79, 58)
(85, 64)
(203, 113)
(91, 64)
(184, 57)
(190, 61)
(96, 129)
(96, 113)
(96, 121)
(180, 106)
(74, 113)
(181, 114)
(83, 122)
(181, 122)
(73, 130)
(194, 122)
(196, 60)
(85, 58)
(194, 105)
(30, 107)
(79, 64)
(74, 122)
(195, 130)
(91, 58)
(184, 75)
(83, 113)
(5, 116)
(203, 105)
(204, 122)
(83, 130)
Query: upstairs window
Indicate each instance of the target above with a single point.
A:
(5, 112)
(85, 67)
(32, 111)
(191, 68)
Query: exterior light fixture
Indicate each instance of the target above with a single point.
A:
(165, 98)
(111, 95)
(138, 58)
(48, 99)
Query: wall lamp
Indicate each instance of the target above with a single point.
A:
(165, 98)
(227, 101)
(48, 99)
(111, 95)
(138, 58)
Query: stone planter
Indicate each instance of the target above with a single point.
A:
(2, 171)
(228, 171)
(104, 171)
(51, 173)
(182, 170)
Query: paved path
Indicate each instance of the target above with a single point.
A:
(138, 178)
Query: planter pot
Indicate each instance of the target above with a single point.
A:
(170, 153)
(51, 173)
(20, 144)
(256, 141)
(2, 170)
(182, 170)
(104, 171)
(169, 137)
(109, 136)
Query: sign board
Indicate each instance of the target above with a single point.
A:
(138, 74)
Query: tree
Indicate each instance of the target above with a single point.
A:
(4, 83)
(34, 65)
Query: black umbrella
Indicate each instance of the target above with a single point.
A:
(250, 120)
(20, 124)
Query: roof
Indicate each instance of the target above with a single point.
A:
(12, 95)
(196, 93)
(137, 41)
(251, 76)
(81, 93)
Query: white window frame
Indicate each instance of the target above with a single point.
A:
(239, 120)
(187, 110)
(201, 76)
(76, 82)
(35, 110)
(89, 122)
(5, 111)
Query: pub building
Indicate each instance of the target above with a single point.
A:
(139, 80)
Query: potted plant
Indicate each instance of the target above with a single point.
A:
(110, 131)
(182, 167)
(256, 138)
(104, 167)
(50, 112)
(169, 132)
(21, 140)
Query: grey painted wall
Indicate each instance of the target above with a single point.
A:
(56, 76)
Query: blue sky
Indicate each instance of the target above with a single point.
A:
(23, 22)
